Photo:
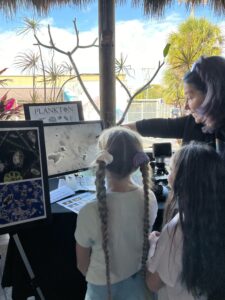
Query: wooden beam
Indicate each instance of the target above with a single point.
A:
(106, 9)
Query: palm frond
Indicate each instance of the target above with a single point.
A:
(29, 25)
(27, 61)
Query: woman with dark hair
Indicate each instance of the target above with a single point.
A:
(189, 260)
(204, 88)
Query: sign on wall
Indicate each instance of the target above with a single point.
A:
(59, 112)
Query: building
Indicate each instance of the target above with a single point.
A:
(148, 109)
(26, 89)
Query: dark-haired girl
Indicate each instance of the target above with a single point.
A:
(189, 258)
(112, 233)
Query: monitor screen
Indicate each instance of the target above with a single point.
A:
(162, 150)
(71, 147)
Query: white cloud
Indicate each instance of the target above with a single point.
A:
(47, 21)
(141, 41)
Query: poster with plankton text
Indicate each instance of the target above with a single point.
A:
(57, 112)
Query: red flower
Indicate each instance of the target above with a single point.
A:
(8, 107)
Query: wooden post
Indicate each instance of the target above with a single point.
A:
(106, 18)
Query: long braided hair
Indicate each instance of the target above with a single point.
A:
(103, 214)
(147, 184)
(122, 144)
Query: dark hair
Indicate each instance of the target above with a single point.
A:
(199, 189)
(192, 77)
(122, 144)
(208, 75)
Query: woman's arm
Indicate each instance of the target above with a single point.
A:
(83, 258)
(163, 128)
(131, 126)
(153, 281)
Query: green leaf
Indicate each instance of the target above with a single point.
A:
(166, 50)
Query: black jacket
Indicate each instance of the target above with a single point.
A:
(183, 128)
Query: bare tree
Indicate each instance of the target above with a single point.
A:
(69, 54)
(121, 67)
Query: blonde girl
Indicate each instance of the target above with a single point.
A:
(112, 233)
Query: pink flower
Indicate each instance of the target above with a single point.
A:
(9, 103)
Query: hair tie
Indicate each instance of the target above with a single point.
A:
(140, 158)
(105, 156)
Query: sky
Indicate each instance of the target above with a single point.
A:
(139, 38)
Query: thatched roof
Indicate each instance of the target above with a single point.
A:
(150, 7)
(42, 6)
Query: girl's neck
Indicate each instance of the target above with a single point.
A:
(120, 185)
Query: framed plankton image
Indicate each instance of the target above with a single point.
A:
(71, 147)
(59, 112)
(24, 194)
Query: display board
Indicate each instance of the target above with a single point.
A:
(59, 112)
(71, 147)
(24, 194)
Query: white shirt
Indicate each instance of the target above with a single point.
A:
(167, 262)
(125, 227)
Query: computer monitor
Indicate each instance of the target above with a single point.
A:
(71, 147)
(162, 150)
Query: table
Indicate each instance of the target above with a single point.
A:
(50, 248)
